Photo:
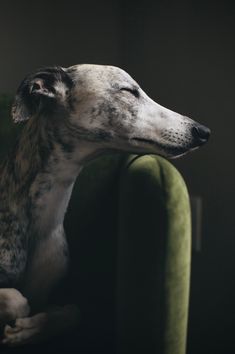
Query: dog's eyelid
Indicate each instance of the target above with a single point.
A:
(133, 90)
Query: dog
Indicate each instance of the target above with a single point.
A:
(70, 116)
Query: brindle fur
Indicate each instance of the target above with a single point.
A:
(69, 116)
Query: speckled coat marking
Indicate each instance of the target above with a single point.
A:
(70, 116)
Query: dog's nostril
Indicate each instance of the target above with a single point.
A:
(201, 132)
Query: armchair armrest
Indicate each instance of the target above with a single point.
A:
(154, 249)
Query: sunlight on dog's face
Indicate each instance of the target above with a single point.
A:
(103, 105)
(109, 105)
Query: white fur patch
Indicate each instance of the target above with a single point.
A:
(61, 89)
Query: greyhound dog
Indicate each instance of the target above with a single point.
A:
(70, 116)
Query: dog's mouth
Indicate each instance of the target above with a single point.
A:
(147, 141)
(175, 143)
(166, 150)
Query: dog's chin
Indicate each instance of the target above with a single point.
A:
(176, 152)
(180, 153)
(165, 150)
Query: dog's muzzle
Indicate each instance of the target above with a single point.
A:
(200, 134)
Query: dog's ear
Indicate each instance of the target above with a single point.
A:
(29, 97)
(42, 90)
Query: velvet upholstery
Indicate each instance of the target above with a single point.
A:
(154, 257)
(129, 232)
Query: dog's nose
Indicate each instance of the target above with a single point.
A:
(201, 133)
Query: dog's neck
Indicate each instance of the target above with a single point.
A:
(41, 172)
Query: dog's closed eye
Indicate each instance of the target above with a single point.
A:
(134, 91)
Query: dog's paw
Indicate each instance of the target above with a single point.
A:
(40, 327)
(12, 305)
(26, 330)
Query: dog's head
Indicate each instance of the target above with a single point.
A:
(104, 106)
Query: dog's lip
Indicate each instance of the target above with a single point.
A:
(168, 151)
(151, 142)
(148, 141)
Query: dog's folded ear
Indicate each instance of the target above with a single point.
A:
(43, 89)
(29, 98)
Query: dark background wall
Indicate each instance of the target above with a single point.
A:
(183, 54)
(38, 33)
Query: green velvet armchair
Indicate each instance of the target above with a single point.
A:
(129, 231)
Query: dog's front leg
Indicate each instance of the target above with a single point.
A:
(12, 306)
(42, 326)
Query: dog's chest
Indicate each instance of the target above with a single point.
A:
(50, 201)
(48, 252)
(47, 263)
